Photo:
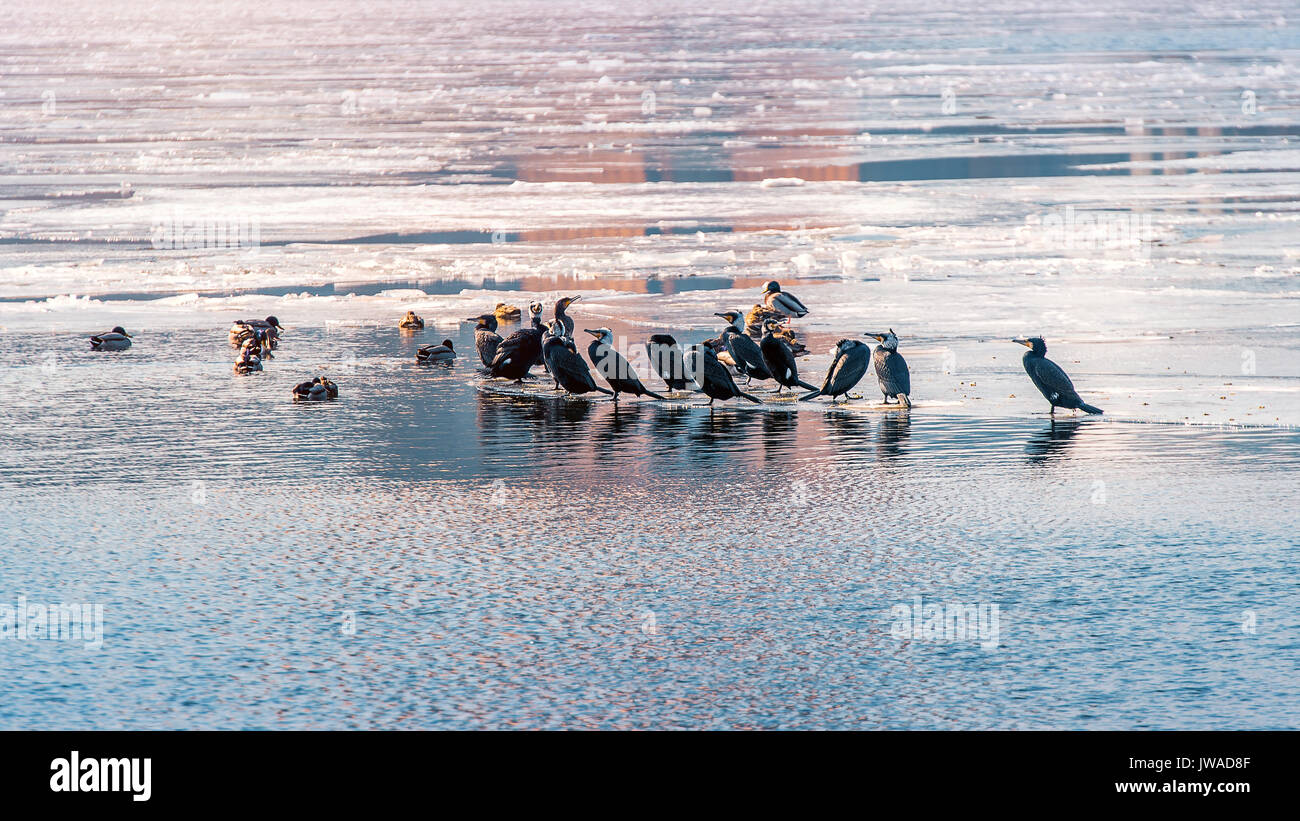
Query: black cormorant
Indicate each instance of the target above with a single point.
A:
(561, 305)
(782, 302)
(613, 366)
(1050, 380)
(891, 369)
(780, 359)
(666, 359)
(486, 338)
(745, 354)
(115, 340)
(566, 365)
(846, 370)
(712, 376)
(519, 352)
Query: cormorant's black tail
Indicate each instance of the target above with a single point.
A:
(905, 400)
(810, 395)
(753, 399)
(1086, 408)
(807, 387)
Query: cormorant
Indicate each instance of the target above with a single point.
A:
(846, 370)
(566, 364)
(1050, 380)
(712, 376)
(411, 322)
(115, 340)
(666, 359)
(780, 359)
(561, 305)
(613, 366)
(744, 351)
(786, 303)
(891, 369)
(436, 353)
(520, 351)
(486, 338)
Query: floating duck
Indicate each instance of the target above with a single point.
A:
(115, 340)
(317, 390)
(270, 328)
(411, 322)
(507, 313)
(250, 360)
(436, 353)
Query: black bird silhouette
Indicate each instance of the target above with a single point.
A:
(780, 359)
(846, 370)
(1050, 380)
(666, 358)
(614, 366)
(891, 369)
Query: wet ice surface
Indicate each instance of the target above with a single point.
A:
(526, 561)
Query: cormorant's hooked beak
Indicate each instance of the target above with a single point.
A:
(1022, 341)
(596, 334)
(877, 337)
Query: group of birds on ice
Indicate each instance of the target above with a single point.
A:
(759, 345)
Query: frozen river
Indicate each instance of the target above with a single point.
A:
(422, 553)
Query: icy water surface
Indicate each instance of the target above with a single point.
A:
(430, 551)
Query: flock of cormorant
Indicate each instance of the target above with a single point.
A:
(759, 346)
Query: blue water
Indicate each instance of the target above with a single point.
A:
(499, 556)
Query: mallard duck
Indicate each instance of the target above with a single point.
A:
(249, 361)
(257, 338)
(270, 326)
(507, 313)
(115, 340)
(785, 303)
(411, 322)
(757, 316)
(436, 353)
(317, 390)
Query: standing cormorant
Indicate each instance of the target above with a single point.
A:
(666, 358)
(782, 302)
(846, 370)
(486, 338)
(712, 376)
(744, 351)
(891, 369)
(780, 359)
(115, 340)
(436, 353)
(561, 305)
(613, 366)
(519, 352)
(1050, 380)
(566, 364)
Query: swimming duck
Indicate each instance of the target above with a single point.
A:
(115, 340)
(271, 326)
(317, 390)
(411, 322)
(436, 353)
(507, 313)
(249, 360)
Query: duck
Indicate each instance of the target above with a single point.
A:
(249, 361)
(436, 353)
(757, 316)
(507, 313)
(115, 340)
(318, 389)
(782, 301)
(411, 322)
(271, 326)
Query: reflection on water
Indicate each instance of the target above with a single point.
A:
(501, 556)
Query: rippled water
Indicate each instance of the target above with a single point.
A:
(512, 561)
(431, 551)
